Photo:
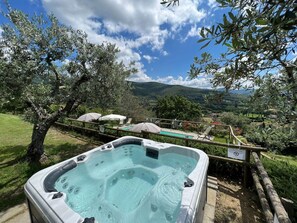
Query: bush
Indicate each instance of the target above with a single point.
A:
(273, 137)
(235, 120)
(219, 131)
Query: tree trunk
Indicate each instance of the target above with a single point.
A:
(36, 149)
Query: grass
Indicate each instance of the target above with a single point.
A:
(242, 139)
(292, 160)
(15, 135)
(220, 139)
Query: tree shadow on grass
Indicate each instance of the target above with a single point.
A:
(12, 154)
(13, 161)
(66, 150)
(11, 200)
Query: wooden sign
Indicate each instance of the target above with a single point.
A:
(236, 154)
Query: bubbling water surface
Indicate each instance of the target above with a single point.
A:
(124, 185)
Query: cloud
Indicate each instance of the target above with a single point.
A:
(128, 24)
(212, 3)
(141, 18)
(165, 53)
(200, 82)
(140, 78)
(149, 58)
(194, 32)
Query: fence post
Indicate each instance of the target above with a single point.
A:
(277, 205)
(246, 167)
(71, 124)
(263, 201)
(145, 135)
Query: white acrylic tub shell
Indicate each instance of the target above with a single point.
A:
(56, 210)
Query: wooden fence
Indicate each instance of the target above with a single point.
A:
(269, 199)
(277, 206)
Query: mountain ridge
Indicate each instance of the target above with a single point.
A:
(207, 98)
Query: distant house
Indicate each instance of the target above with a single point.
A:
(238, 131)
(215, 115)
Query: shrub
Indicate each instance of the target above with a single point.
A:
(235, 120)
(273, 137)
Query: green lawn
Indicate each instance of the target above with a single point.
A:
(242, 139)
(292, 160)
(15, 136)
(220, 139)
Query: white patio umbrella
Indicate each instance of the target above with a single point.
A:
(89, 117)
(112, 117)
(146, 126)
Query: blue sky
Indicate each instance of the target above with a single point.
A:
(162, 41)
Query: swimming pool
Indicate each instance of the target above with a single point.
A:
(128, 180)
(176, 134)
(168, 133)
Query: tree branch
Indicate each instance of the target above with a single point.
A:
(37, 110)
(58, 77)
(72, 103)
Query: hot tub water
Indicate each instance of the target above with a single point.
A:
(124, 185)
(127, 180)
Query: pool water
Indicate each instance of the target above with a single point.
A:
(128, 128)
(124, 185)
(176, 134)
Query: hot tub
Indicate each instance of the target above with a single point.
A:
(127, 180)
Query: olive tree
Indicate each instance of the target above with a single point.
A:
(46, 63)
(260, 37)
(260, 40)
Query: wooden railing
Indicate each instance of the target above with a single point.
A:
(268, 197)
(234, 137)
(277, 206)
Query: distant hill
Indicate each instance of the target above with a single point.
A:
(241, 91)
(210, 100)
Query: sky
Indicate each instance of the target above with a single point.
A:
(162, 41)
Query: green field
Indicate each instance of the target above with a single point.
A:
(15, 136)
(220, 139)
(292, 160)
